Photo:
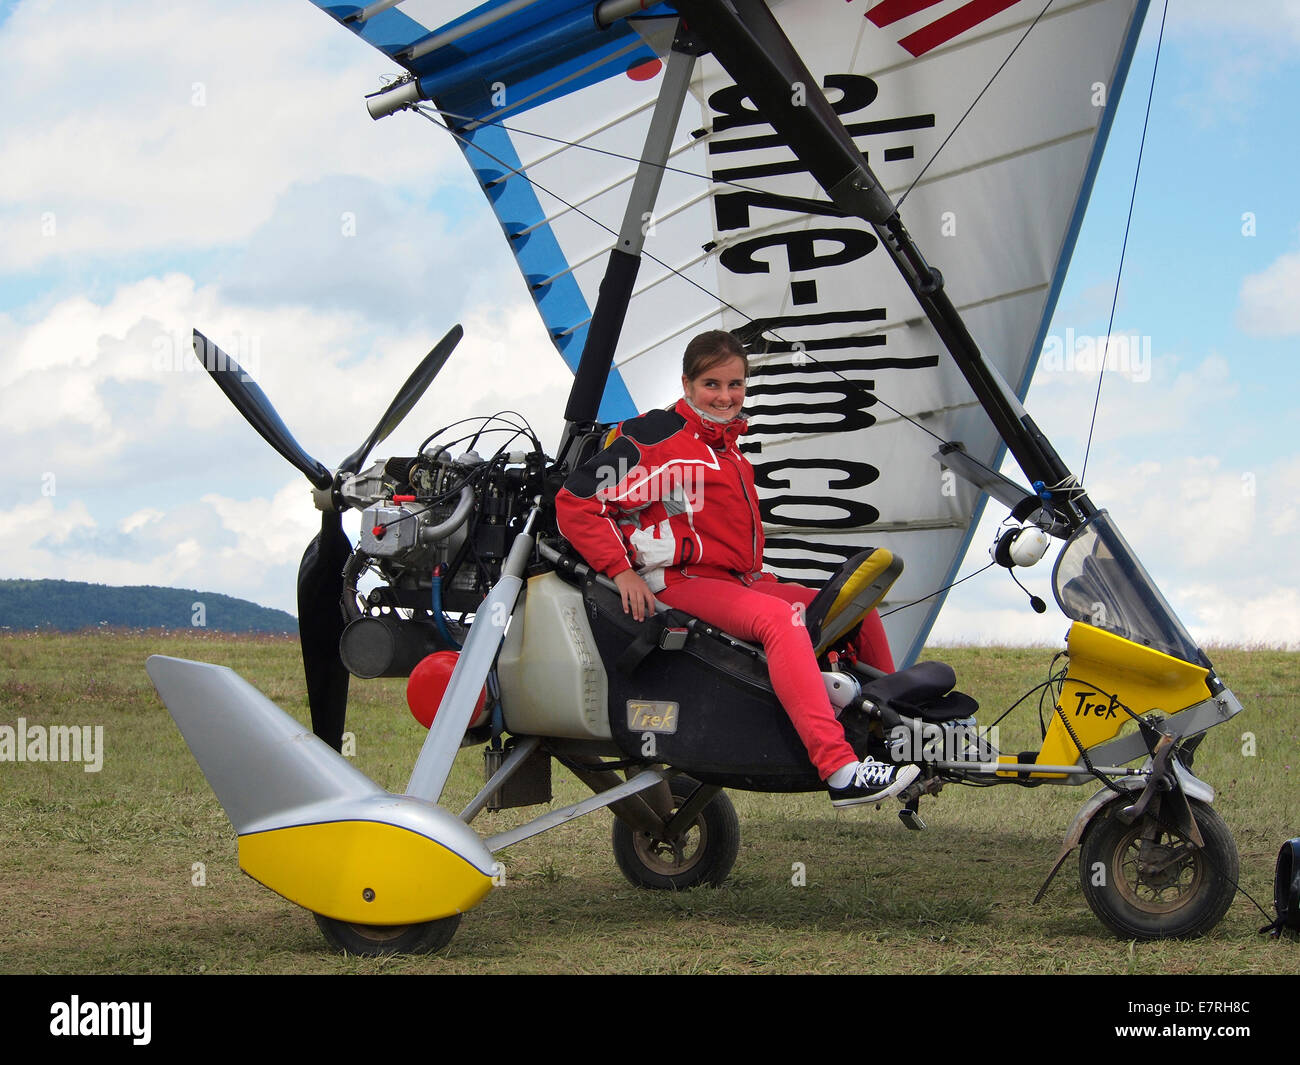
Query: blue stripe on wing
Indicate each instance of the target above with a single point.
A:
(561, 303)
(545, 51)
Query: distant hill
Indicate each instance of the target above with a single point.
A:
(67, 606)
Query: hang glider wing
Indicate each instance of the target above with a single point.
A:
(552, 109)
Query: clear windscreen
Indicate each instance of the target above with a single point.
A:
(1098, 580)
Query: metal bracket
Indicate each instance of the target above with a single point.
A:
(1159, 781)
(647, 779)
(690, 43)
(1192, 721)
(654, 154)
(1080, 824)
(509, 767)
(700, 798)
(910, 814)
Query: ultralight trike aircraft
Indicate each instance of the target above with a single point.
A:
(764, 189)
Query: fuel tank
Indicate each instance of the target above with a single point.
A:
(706, 707)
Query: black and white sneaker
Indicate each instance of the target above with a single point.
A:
(873, 781)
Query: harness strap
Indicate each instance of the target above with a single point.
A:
(665, 632)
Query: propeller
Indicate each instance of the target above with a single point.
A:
(252, 403)
(407, 397)
(320, 627)
(320, 574)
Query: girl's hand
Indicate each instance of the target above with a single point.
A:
(638, 599)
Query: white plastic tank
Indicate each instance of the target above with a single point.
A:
(552, 679)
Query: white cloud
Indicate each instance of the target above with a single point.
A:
(159, 481)
(139, 519)
(1279, 498)
(1274, 23)
(1267, 304)
(1149, 396)
(89, 383)
(276, 530)
(28, 524)
(52, 538)
(146, 127)
(203, 546)
(1199, 514)
(91, 386)
(1269, 616)
(352, 244)
(1234, 49)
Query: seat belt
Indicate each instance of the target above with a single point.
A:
(666, 632)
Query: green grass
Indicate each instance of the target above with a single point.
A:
(96, 869)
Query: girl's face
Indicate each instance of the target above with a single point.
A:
(720, 390)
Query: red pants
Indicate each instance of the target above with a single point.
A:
(766, 613)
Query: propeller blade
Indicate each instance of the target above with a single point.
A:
(320, 624)
(252, 403)
(406, 398)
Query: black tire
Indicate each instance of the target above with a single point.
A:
(703, 854)
(371, 941)
(1182, 893)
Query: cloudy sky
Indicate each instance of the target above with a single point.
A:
(211, 165)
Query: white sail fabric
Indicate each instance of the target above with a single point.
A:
(842, 340)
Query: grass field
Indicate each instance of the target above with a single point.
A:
(132, 869)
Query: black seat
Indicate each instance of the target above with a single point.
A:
(924, 690)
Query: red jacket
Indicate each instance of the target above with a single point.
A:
(672, 496)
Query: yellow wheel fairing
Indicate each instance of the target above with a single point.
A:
(1103, 665)
(365, 872)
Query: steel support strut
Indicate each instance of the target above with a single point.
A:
(456, 708)
(625, 257)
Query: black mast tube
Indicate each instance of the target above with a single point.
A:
(602, 336)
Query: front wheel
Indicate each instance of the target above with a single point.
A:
(1144, 881)
(702, 854)
(372, 940)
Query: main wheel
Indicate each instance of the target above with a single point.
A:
(1144, 881)
(373, 940)
(702, 854)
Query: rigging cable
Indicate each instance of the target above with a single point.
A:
(575, 207)
(825, 367)
(982, 91)
(442, 120)
(1101, 372)
(709, 177)
(521, 172)
(588, 148)
(713, 295)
